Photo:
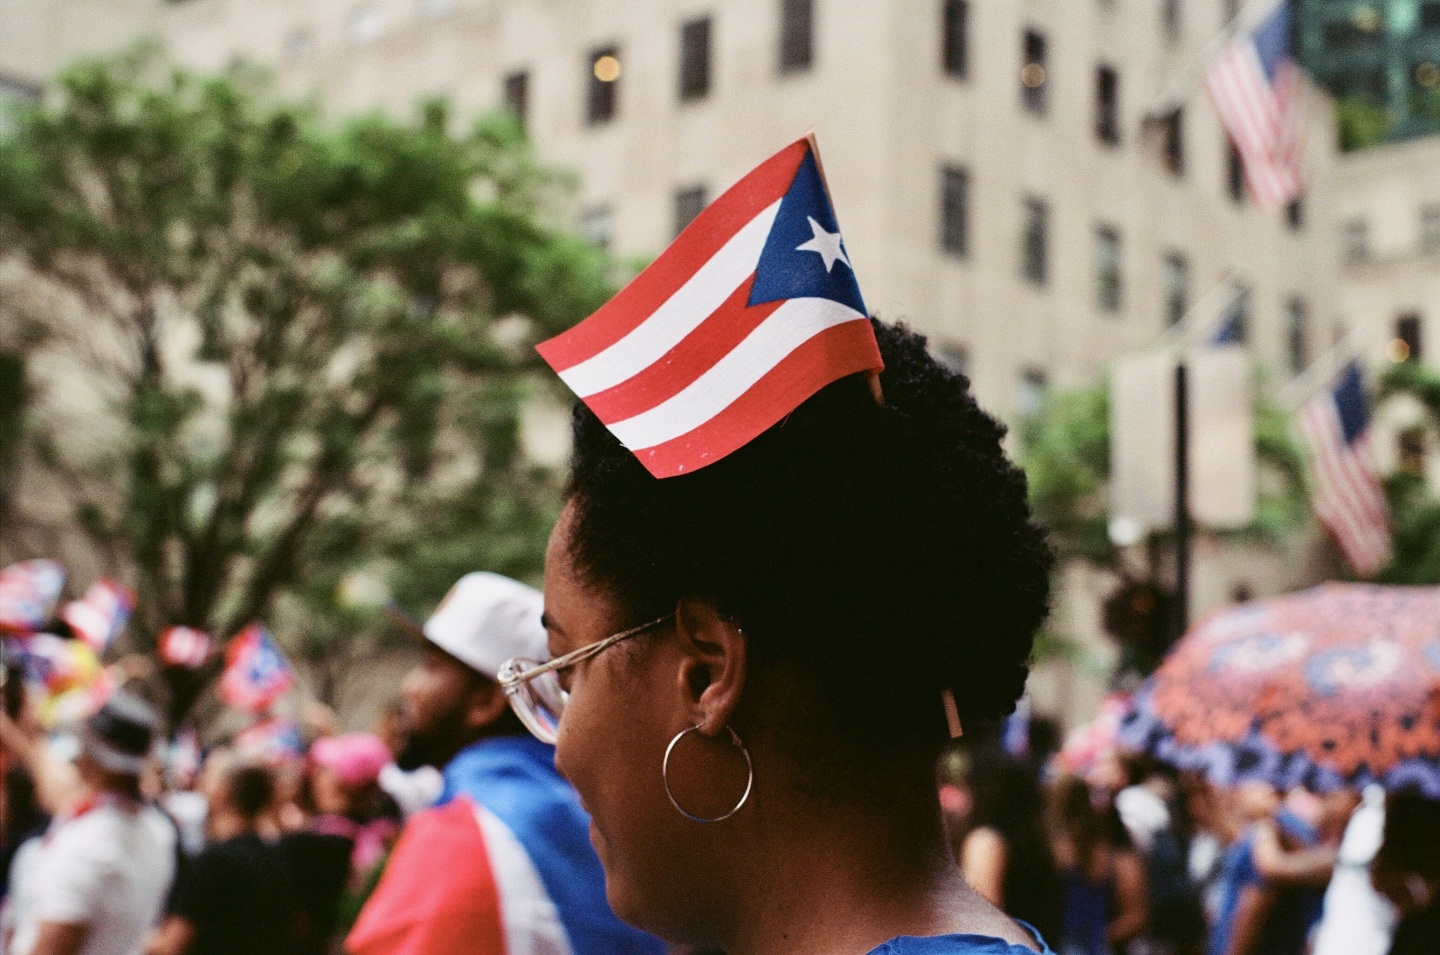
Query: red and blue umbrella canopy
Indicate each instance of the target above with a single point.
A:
(1336, 686)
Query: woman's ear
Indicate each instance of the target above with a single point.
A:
(712, 668)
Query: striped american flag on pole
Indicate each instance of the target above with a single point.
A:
(1255, 86)
(750, 311)
(1345, 488)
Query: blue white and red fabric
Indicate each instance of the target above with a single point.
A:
(752, 309)
(28, 593)
(273, 742)
(519, 877)
(100, 615)
(1255, 85)
(256, 672)
(184, 647)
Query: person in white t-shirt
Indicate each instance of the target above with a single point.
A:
(96, 882)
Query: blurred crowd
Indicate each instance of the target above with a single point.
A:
(1123, 854)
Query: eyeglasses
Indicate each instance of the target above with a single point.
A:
(534, 689)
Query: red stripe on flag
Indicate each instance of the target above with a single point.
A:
(695, 246)
(841, 350)
(716, 337)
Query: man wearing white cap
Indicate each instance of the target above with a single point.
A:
(503, 864)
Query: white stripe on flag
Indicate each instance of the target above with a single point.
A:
(680, 314)
(528, 916)
(783, 331)
(1346, 493)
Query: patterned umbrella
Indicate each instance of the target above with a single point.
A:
(1337, 686)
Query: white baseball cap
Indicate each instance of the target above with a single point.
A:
(487, 619)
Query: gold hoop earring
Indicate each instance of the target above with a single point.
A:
(749, 780)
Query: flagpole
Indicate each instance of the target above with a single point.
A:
(1304, 386)
(1175, 93)
(1180, 336)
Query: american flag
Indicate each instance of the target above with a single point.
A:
(28, 592)
(1255, 86)
(1345, 488)
(184, 647)
(256, 672)
(750, 311)
(100, 615)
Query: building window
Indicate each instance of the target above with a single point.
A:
(1033, 390)
(1234, 328)
(955, 211)
(955, 357)
(797, 35)
(1170, 14)
(688, 204)
(1032, 73)
(1430, 228)
(1355, 242)
(955, 36)
(1297, 334)
(695, 59)
(1107, 105)
(604, 86)
(1230, 9)
(597, 226)
(1295, 213)
(1035, 241)
(299, 44)
(1173, 143)
(1235, 173)
(1107, 269)
(366, 23)
(1406, 346)
(517, 95)
(1176, 279)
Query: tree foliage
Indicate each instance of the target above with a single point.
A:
(312, 339)
(1414, 508)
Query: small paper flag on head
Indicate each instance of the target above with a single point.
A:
(752, 309)
(28, 592)
(256, 672)
(99, 616)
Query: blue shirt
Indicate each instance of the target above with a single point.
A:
(959, 945)
(514, 777)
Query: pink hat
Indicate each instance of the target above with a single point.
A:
(356, 758)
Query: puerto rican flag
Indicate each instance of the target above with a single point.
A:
(752, 309)
(185, 647)
(256, 672)
(1255, 86)
(28, 592)
(100, 615)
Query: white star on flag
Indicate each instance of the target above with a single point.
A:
(825, 244)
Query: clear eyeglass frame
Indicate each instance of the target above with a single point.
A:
(534, 691)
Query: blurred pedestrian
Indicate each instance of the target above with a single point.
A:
(97, 882)
(1105, 904)
(504, 862)
(1407, 870)
(1357, 919)
(237, 896)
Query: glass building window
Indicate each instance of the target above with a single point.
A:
(1033, 77)
(597, 226)
(517, 95)
(955, 38)
(1176, 281)
(1107, 269)
(1407, 338)
(1295, 213)
(1035, 242)
(1172, 143)
(299, 44)
(1430, 228)
(955, 211)
(955, 357)
(1032, 393)
(1170, 15)
(688, 204)
(1235, 326)
(1355, 242)
(604, 88)
(695, 59)
(1234, 173)
(797, 35)
(1297, 335)
(1107, 105)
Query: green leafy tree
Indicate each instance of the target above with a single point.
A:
(311, 340)
(1414, 509)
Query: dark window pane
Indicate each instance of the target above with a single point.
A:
(1107, 105)
(517, 95)
(1033, 76)
(688, 205)
(1035, 241)
(1033, 389)
(1173, 147)
(695, 59)
(955, 32)
(1235, 326)
(1295, 213)
(797, 35)
(1407, 331)
(604, 66)
(955, 211)
(1235, 173)
(1355, 241)
(1171, 16)
(1107, 269)
(1298, 335)
(1177, 288)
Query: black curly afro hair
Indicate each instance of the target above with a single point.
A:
(888, 552)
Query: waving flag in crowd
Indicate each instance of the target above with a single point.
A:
(1255, 86)
(28, 592)
(256, 672)
(99, 616)
(1345, 487)
(184, 647)
(750, 311)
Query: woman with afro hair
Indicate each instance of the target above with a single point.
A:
(751, 666)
